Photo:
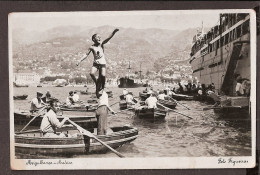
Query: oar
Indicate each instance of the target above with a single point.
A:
(124, 110)
(114, 103)
(208, 108)
(179, 103)
(174, 111)
(33, 118)
(21, 132)
(89, 134)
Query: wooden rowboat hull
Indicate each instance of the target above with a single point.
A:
(34, 144)
(182, 97)
(122, 105)
(231, 110)
(22, 118)
(168, 103)
(78, 109)
(20, 97)
(85, 93)
(151, 113)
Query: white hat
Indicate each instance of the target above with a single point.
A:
(149, 92)
(210, 92)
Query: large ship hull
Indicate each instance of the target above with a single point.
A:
(221, 65)
(128, 83)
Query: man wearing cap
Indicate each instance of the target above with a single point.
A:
(129, 98)
(102, 112)
(50, 123)
(37, 103)
(151, 100)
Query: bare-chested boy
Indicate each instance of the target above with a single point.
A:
(99, 60)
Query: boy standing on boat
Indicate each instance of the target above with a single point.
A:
(99, 60)
(102, 112)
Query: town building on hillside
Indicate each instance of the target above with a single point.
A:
(26, 78)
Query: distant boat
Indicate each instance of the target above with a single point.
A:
(20, 85)
(127, 82)
(20, 97)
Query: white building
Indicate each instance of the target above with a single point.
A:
(26, 78)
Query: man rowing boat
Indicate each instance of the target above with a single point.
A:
(151, 100)
(50, 123)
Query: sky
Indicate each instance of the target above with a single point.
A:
(172, 20)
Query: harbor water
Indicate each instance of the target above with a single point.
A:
(207, 134)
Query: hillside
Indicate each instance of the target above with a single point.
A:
(67, 44)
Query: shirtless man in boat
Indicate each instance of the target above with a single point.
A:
(37, 103)
(99, 60)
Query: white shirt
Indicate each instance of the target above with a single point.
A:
(125, 92)
(161, 96)
(68, 102)
(103, 99)
(75, 97)
(50, 122)
(239, 88)
(151, 102)
(129, 98)
(35, 104)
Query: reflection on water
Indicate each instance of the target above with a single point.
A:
(207, 134)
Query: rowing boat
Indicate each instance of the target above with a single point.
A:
(78, 108)
(20, 97)
(23, 117)
(152, 113)
(182, 97)
(124, 105)
(168, 103)
(85, 93)
(92, 101)
(239, 110)
(203, 98)
(33, 143)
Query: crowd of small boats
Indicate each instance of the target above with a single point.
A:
(31, 142)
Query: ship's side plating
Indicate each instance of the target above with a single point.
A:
(221, 54)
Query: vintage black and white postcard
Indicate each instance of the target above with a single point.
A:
(132, 89)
